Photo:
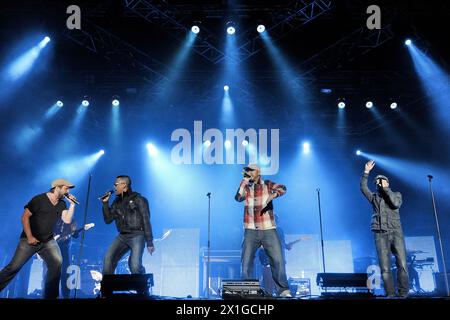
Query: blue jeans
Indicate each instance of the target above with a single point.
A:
(50, 253)
(387, 242)
(270, 240)
(120, 246)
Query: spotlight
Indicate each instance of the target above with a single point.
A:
(369, 104)
(59, 103)
(245, 143)
(394, 105)
(226, 87)
(115, 101)
(195, 29)
(85, 102)
(230, 27)
(358, 152)
(101, 152)
(227, 144)
(306, 147)
(261, 28)
(207, 143)
(341, 103)
(408, 42)
(152, 151)
(326, 90)
(44, 42)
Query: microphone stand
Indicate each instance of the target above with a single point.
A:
(430, 177)
(208, 266)
(321, 232)
(82, 236)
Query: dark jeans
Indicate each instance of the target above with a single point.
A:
(120, 246)
(270, 240)
(50, 253)
(392, 242)
(65, 253)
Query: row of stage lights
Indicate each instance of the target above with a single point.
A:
(369, 104)
(115, 102)
(230, 27)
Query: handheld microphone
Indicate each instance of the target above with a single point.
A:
(107, 193)
(71, 199)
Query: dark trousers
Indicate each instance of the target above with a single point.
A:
(388, 242)
(120, 246)
(65, 253)
(50, 253)
(270, 241)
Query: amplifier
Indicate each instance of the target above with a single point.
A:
(248, 288)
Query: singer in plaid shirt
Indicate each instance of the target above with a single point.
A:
(260, 227)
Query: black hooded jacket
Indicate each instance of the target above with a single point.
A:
(132, 215)
(386, 207)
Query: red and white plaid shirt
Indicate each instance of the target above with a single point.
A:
(258, 209)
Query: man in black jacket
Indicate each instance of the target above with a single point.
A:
(387, 231)
(131, 213)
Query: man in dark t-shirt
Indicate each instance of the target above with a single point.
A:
(38, 220)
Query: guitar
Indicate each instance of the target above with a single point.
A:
(67, 232)
(302, 238)
(264, 259)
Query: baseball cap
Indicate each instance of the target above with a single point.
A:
(62, 182)
(380, 176)
(252, 167)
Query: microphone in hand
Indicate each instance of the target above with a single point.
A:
(71, 198)
(107, 194)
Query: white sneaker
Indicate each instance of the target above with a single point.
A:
(286, 294)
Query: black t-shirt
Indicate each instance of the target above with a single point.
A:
(44, 216)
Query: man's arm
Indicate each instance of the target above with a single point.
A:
(276, 190)
(240, 194)
(67, 215)
(108, 217)
(26, 227)
(363, 182)
(144, 209)
(394, 199)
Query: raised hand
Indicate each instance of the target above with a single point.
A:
(369, 166)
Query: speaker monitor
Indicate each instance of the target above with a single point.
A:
(114, 283)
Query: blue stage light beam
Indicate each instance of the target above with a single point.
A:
(287, 75)
(24, 136)
(177, 64)
(306, 147)
(230, 76)
(152, 150)
(115, 123)
(50, 113)
(227, 109)
(74, 169)
(410, 172)
(435, 82)
(23, 64)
